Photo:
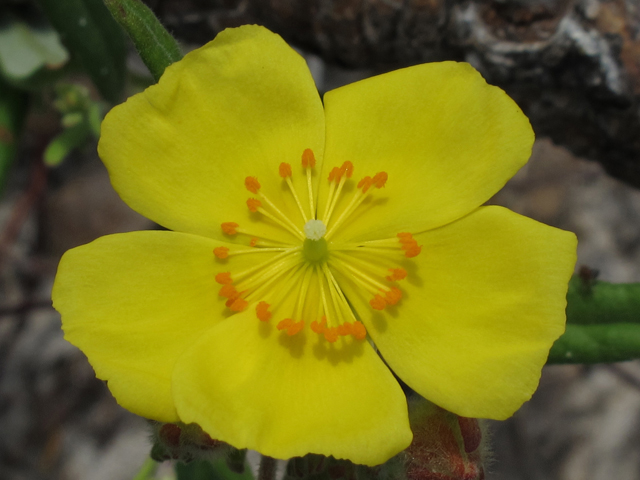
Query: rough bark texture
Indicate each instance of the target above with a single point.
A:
(573, 66)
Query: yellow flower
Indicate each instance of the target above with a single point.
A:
(304, 235)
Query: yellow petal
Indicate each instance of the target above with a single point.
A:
(447, 140)
(254, 387)
(179, 152)
(132, 302)
(482, 305)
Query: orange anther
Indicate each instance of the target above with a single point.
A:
(295, 328)
(393, 296)
(335, 174)
(252, 184)
(347, 169)
(413, 251)
(254, 204)
(286, 323)
(319, 327)
(344, 329)
(221, 252)
(365, 184)
(224, 278)
(253, 241)
(229, 228)
(404, 235)
(378, 303)
(228, 291)
(308, 158)
(285, 170)
(380, 179)
(262, 311)
(331, 334)
(397, 274)
(239, 304)
(358, 330)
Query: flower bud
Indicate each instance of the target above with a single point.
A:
(445, 446)
(186, 443)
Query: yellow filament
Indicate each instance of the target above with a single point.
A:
(334, 200)
(302, 295)
(359, 280)
(357, 199)
(262, 265)
(258, 250)
(267, 273)
(367, 265)
(364, 276)
(295, 196)
(293, 229)
(273, 242)
(285, 286)
(337, 288)
(310, 187)
(327, 314)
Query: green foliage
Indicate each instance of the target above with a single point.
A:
(91, 34)
(13, 107)
(204, 470)
(81, 118)
(156, 46)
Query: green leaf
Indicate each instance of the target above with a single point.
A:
(203, 470)
(26, 50)
(91, 34)
(597, 344)
(63, 144)
(13, 108)
(157, 48)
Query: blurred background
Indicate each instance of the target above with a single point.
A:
(573, 66)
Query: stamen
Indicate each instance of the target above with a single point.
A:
(254, 204)
(377, 302)
(221, 252)
(319, 327)
(380, 179)
(397, 274)
(224, 278)
(285, 172)
(309, 162)
(393, 296)
(228, 291)
(262, 311)
(239, 304)
(230, 228)
(308, 158)
(252, 184)
(358, 330)
(253, 241)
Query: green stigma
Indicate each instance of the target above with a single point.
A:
(315, 246)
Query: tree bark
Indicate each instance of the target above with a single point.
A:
(573, 66)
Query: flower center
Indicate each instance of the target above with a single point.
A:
(300, 283)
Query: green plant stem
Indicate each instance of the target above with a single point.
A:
(147, 470)
(157, 48)
(603, 323)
